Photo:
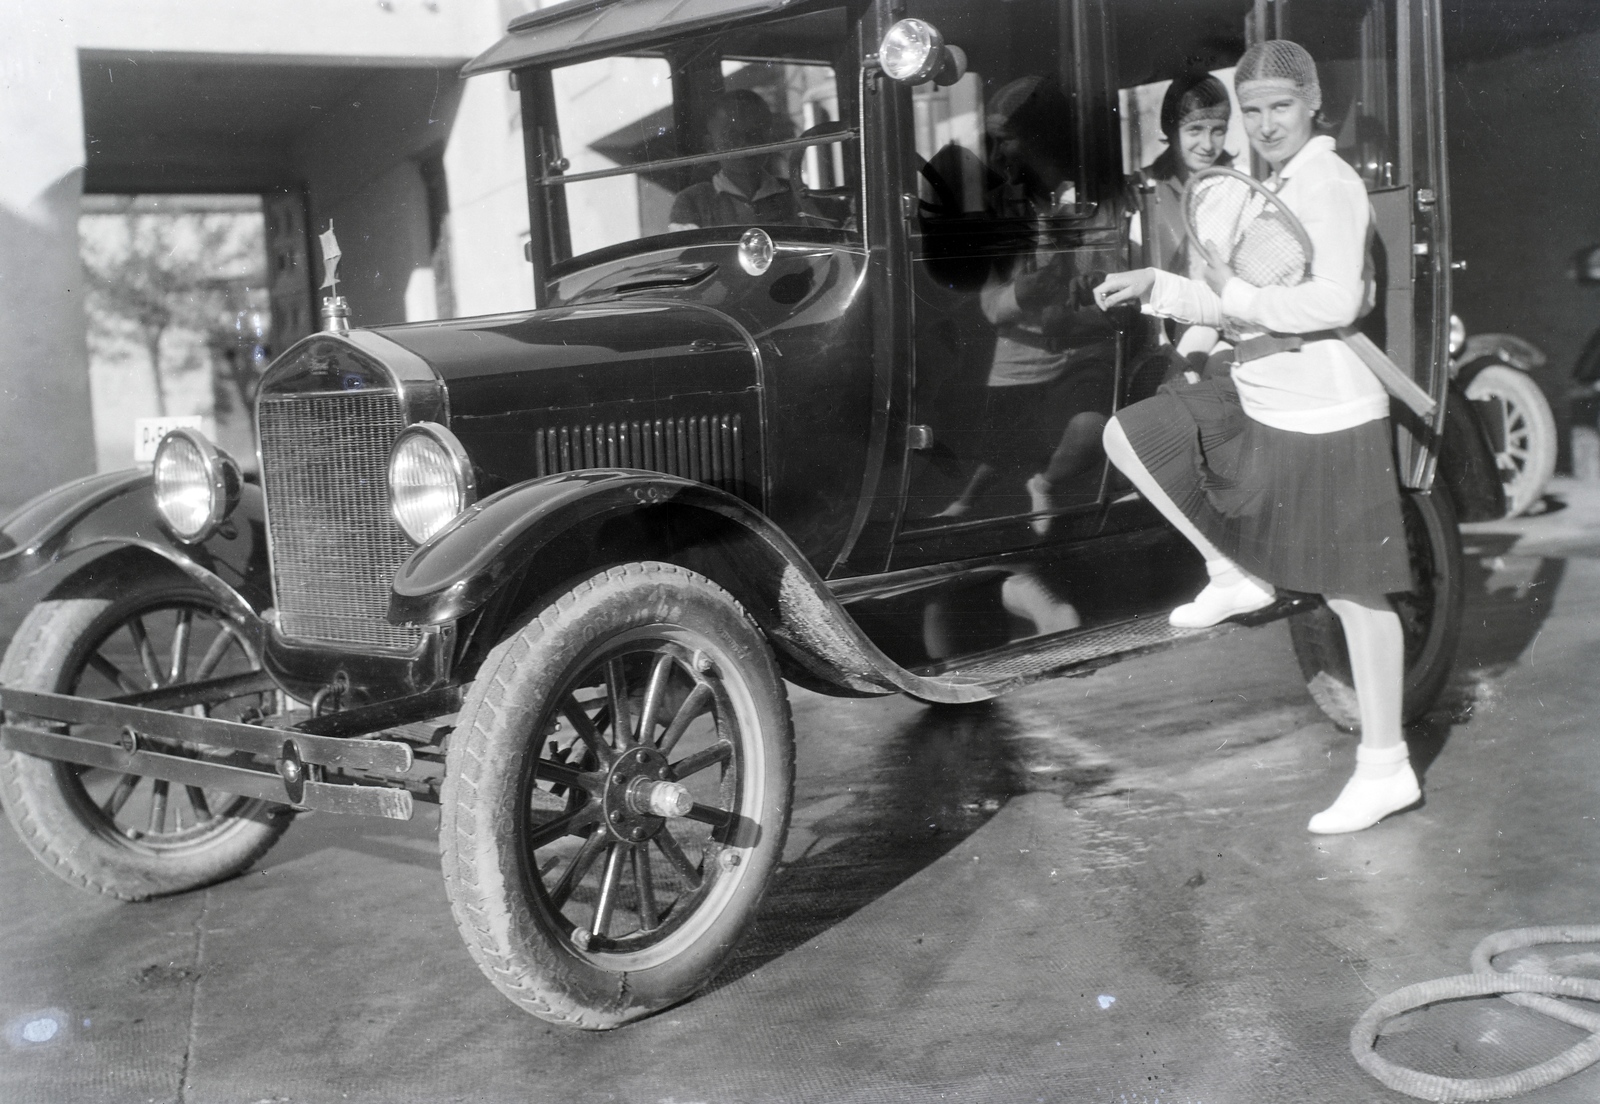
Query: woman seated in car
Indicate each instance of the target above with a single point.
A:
(1194, 119)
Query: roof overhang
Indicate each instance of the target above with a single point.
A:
(580, 28)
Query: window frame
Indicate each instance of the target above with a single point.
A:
(550, 245)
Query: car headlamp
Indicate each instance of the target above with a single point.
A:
(914, 52)
(1458, 334)
(430, 480)
(196, 484)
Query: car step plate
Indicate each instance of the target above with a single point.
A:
(1084, 650)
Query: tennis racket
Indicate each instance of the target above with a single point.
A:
(1235, 220)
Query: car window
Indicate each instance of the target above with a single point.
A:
(1355, 44)
(1011, 118)
(753, 126)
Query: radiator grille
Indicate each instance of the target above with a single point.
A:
(708, 448)
(335, 546)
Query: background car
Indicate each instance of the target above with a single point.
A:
(1494, 371)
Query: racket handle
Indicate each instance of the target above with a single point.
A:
(1398, 384)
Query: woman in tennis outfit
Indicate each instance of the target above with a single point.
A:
(1282, 472)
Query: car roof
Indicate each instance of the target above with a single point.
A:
(579, 28)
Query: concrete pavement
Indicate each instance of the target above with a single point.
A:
(1097, 890)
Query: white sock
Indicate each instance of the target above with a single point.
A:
(1224, 573)
(1380, 762)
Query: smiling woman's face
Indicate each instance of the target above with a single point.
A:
(1278, 123)
(1200, 143)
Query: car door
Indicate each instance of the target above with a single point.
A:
(1380, 66)
(1014, 370)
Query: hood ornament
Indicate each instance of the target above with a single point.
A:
(335, 309)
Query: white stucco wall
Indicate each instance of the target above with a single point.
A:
(45, 423)
(406, 29)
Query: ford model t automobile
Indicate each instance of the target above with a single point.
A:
(553, 570)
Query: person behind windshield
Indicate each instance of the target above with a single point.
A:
(743, 192)
(1194, 119)
(1282, 474)
(1051, 375)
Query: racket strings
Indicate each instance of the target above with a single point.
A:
(1244, 226)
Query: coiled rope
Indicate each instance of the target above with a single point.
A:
(1535, 991)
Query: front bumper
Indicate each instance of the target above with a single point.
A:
(339, 762)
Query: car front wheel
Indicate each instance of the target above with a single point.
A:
(617, 795)
(122, 627)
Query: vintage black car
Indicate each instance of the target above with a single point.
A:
(552, 569)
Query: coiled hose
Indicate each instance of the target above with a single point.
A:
(1535, 991)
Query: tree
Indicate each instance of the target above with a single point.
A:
(153, 272)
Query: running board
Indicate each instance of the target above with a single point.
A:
(1082, 651)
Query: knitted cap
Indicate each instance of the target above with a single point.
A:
(1279, 65)
(1191, 98)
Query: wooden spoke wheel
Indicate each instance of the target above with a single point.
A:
(617, 794)
(118, 630)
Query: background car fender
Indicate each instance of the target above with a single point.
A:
(532, 541)
(1466, 462)
(1482, 350)
(80, 522)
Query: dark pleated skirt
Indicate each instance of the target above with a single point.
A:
(1313, 512)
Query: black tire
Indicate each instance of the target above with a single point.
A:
(536, 821)
(1430, 616)
(124, 835)
(1527, 456)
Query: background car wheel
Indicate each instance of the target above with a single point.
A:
(616, 797)
(117, 628)
(1430, 617)
(1527, 459)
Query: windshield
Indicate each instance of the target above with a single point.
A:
(753, 126)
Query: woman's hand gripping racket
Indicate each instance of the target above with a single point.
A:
(1236, 222)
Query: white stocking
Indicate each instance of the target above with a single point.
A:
(1120, 452)
(1377, 664)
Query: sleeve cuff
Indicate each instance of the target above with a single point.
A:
(1164, 293)
(1238, 299)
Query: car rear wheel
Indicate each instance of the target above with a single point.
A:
(1430, 618)
(120, 628)
(617, 794)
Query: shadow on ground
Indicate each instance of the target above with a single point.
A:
(933, 783)
(1508, 599)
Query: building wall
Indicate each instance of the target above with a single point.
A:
(363, 171)
(44, 372)
(1525, 195)
(414, 30)
(485, 173)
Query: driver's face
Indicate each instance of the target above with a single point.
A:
(736, 127)
(733, 128)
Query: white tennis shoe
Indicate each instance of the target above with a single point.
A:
(1220, 601)
(1365, 801)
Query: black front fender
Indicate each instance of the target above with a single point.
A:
(103, 513)
(508, 539)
